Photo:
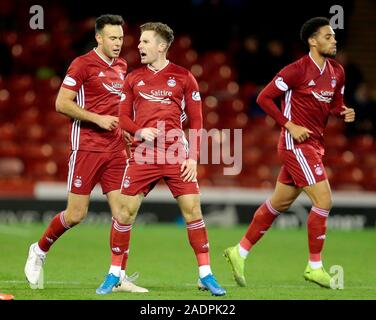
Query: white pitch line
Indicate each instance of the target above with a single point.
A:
(19, 232)
(188, 284)
(49, 282)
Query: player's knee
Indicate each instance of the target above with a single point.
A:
(323, 203)
(192, 214)
(74, 216)
(280, 206)
(126, 215)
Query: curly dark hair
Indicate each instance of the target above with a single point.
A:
(311, 26)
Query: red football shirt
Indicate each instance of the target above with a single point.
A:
(99, 87)
(170, 95)
(309, 96)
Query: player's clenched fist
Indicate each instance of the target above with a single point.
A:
(149, 134)
(107, 122)
(299, 133)
(348, 113)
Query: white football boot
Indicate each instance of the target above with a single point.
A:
(34, 268)
(127, 285)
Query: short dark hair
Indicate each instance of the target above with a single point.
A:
(104, 19)
(163, 30)
(311, 26)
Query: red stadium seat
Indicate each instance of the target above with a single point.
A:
(10, 149)
(8, 131)
(10, 167)
(43, 170)
(362, 144)
(350, 178)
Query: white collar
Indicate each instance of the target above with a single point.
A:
(151, 68)
(109, 63)
(323, 68)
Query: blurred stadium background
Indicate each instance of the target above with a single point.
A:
(233, 48)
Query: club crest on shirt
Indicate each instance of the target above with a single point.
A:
(126, 183)
(77, 182)
(333, 83)
(171, 82)
(318, 169)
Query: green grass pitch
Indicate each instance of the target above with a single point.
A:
(161, 254)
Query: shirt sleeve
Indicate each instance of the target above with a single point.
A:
(337, 103)
(285, 80)
(76, 75)
(126, 109)
(193, 109)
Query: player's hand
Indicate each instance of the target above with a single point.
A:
(107, 122)
(299, 133)
(127, 137)
(189, 170)
(348, 113)
(149, 134)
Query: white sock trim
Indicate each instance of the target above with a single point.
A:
(39, 251)
(243, 252)
(204, 270)
(271, 209)
(115, 270)
(315, 264)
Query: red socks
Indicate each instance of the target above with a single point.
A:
(119, 242)
(261, 222)
(316, 225)
(198, 238)
(54, 230)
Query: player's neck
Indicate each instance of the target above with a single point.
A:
(317, 58)
(104, 57)
(159, 64)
